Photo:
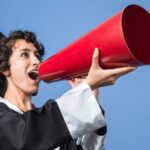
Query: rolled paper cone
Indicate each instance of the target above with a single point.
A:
(123, 40)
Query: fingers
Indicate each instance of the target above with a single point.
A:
(71, 82)
(122, 71)
(75, 81)
(78, 80)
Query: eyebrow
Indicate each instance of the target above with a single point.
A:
(25, 49)
(28, 50)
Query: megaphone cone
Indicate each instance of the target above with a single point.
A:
(123, 39)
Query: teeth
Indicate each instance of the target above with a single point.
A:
(34, 71)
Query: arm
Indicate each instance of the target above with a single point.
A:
(95, 139)
(98, 77)
(81, 110)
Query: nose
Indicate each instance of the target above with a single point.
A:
(35, 61)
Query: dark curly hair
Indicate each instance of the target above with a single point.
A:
(6, 45)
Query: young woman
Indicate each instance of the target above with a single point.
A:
(74, 121)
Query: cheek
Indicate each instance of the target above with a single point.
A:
(19, 77)
(17, 69)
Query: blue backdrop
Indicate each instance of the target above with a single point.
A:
(57, 23)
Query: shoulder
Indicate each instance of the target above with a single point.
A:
(3, 108)
(6, 114)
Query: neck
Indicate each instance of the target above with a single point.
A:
(19, 99)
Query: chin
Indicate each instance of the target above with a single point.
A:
(34, 94)
(33, 91)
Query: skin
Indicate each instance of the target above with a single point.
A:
(20, 87)
(25, 58)
(98, 77)
(74, 82)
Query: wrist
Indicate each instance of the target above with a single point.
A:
(89, 82)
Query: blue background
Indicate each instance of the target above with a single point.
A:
(57, 23)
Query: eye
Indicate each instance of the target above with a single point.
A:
(38, 56)
(25, 54)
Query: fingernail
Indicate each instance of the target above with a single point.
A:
(134, 68)
(96, 51)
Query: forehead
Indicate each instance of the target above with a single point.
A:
(22, 44)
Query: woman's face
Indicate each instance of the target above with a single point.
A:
(24, 62)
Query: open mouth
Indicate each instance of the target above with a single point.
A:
(33, 75)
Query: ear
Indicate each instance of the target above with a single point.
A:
(6, 73)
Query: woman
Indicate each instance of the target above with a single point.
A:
(70, 122)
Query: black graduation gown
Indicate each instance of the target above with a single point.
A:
(38, 129)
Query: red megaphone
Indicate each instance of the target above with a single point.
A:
(123, 39)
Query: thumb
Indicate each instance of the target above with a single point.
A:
(95, 58)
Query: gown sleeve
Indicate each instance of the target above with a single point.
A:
(81, 111)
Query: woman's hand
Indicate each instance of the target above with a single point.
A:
(75, 81)
(98, 77)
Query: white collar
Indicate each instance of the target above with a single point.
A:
(10, 105)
